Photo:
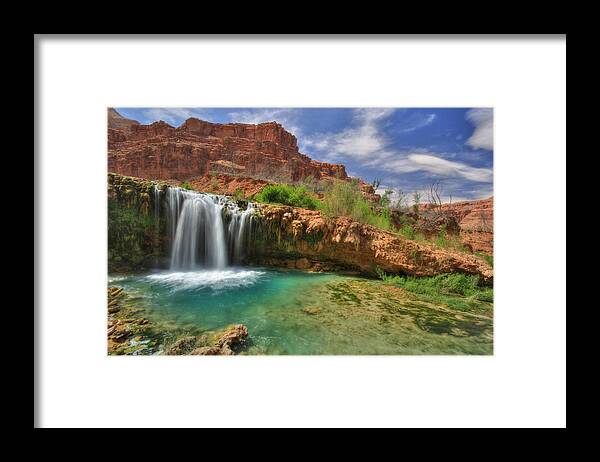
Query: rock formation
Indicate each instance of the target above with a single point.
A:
(305, 239)
(117, 121)
(197, 148)
(476, 221)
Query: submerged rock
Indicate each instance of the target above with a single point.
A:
(227, 343)
(182, 346)
(311, 310)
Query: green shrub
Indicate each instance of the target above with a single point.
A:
(296, 196)
(466, 285)
(239, 195)
(488, 258)
(408, 232)
(185, 185)
(345, 199)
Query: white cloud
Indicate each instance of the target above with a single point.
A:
(483, 136)
(439, 166)
(450, 190)
(364, 139)
(365, 143)
(360, 141)
(419, 123)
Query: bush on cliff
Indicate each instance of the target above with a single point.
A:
(346, 199)
(296, 196)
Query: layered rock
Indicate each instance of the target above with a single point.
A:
(228, 185)
(305, 239)
(117, 121)
(476, 221)
(197, 148)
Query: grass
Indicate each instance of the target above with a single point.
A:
(449, 241)
(442, 239)
(439, 287)
(239, 195)
(296, 196)
(345, 199)
(408, 232)
(488, 258)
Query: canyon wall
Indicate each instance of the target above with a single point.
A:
(197, 148)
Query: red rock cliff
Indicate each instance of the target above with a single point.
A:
(197, 147)
(476, 220)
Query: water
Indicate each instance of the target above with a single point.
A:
(293, 312)
(286, 312)
(205, 230)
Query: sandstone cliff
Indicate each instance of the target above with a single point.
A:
(305, 239)
(196, 148)
(117, 121)
(476, 221)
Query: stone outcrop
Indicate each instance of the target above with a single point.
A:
(197, 148)
(136, 237)
(227, 344)
(476, 221)
(305, 239)
(228, 185)
(118, 122)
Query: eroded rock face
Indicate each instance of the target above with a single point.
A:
(476, 221)
(197, 148)
(227, 185)
(117, 121)
(304, 238)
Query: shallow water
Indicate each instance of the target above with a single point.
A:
(293, 312)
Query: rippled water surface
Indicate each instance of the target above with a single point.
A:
(293, 312)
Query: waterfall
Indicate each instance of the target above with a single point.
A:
(206, 230)
(156, 194)
(238, 231)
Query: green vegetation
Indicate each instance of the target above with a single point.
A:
(239, 195)
(439, 288)
(346, 199)
(449, 241)
(186, 185)
(131, 236)
(408, 232)
(296, 196)
(488, 258)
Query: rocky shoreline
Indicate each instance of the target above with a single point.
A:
(128, 333)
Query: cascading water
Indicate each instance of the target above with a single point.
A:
(156, 193)
(206, 230)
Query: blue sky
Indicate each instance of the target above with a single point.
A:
(407, 148)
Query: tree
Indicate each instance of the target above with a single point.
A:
(386, 198)
(416, 201)
(401, 200)
(438, 215)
